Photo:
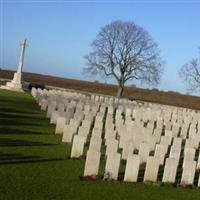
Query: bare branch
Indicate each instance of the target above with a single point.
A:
(190, 74)
(125, 51)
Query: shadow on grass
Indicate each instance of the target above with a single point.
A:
(36, 115)
(16, 158)
(27, 121)
(7, 142)
(4, 130)
(6, 159)
(12, 110)
(2, 154)
(8, 120)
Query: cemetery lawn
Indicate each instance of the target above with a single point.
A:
(34, 163)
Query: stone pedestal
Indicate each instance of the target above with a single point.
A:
(15, 84)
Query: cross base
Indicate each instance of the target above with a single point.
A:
(15, 84)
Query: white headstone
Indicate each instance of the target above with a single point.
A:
(191, 143)
(50, 109)
(77, 146)
(68, 133)
(189, 155)
(60, 125)
(127, 149)
(184, 132)
(169, 133)
(92, 163)
(166, 140)
(177, 142)
(98, 124)
(112, 166)
(175, 130)
(86, 123)
(152, 167)
(160, 152)
(96, 132)
(95, 143)
(188, 172)
(170, 170)
(157, 134)
(83, 131)
(111, 146)
(54, 116)
(175, 152)
(143, 152)
(110, 134)
(132, 168)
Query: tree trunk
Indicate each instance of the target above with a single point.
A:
(120, 91)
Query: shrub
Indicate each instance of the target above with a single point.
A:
(36, 85)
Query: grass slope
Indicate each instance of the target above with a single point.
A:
(34, 164)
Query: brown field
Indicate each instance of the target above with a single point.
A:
(168, 98)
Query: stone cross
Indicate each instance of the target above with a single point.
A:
(16, 84)
(22, 53)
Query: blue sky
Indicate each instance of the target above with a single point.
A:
(59, 33)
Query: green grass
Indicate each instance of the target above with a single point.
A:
(34, 163)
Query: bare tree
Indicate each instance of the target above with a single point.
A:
(190, 73)
(125, 51)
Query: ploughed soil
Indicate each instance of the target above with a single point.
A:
(168, 98)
